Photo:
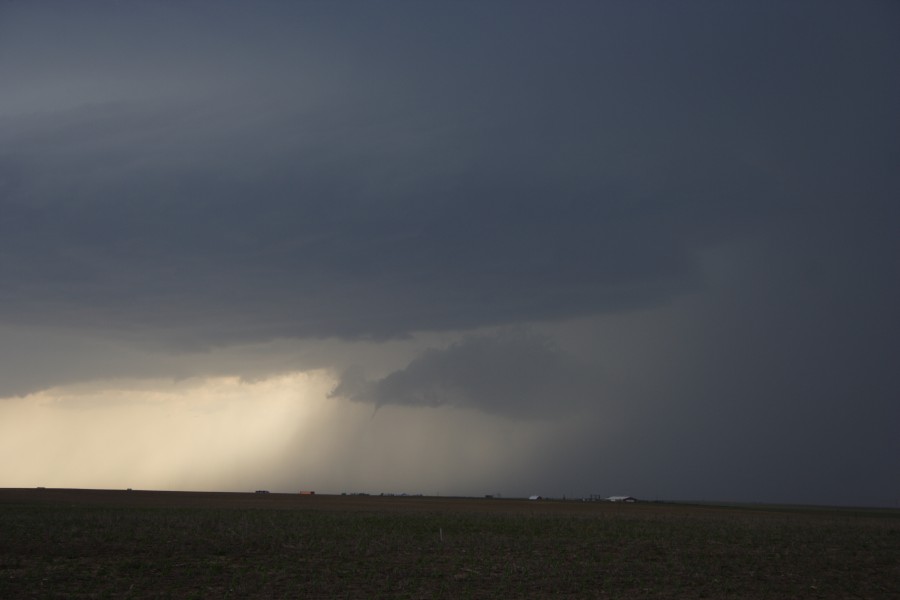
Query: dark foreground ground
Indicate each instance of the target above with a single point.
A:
(138, 544)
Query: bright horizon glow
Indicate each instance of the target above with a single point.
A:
(157, 434)
(282, 433)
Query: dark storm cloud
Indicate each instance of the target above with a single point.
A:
(198, 176)
(422, 168)
(686, 213)
(512, 373)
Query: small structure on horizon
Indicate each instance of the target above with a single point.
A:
(535, 498)
(621, 499)
(306, 493)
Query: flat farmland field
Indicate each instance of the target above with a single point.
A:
(143, 544)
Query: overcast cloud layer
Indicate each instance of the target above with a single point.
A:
(658, 240)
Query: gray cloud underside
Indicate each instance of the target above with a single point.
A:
(514, 373)
(374, 181)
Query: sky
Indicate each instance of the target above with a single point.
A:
(463, 248)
